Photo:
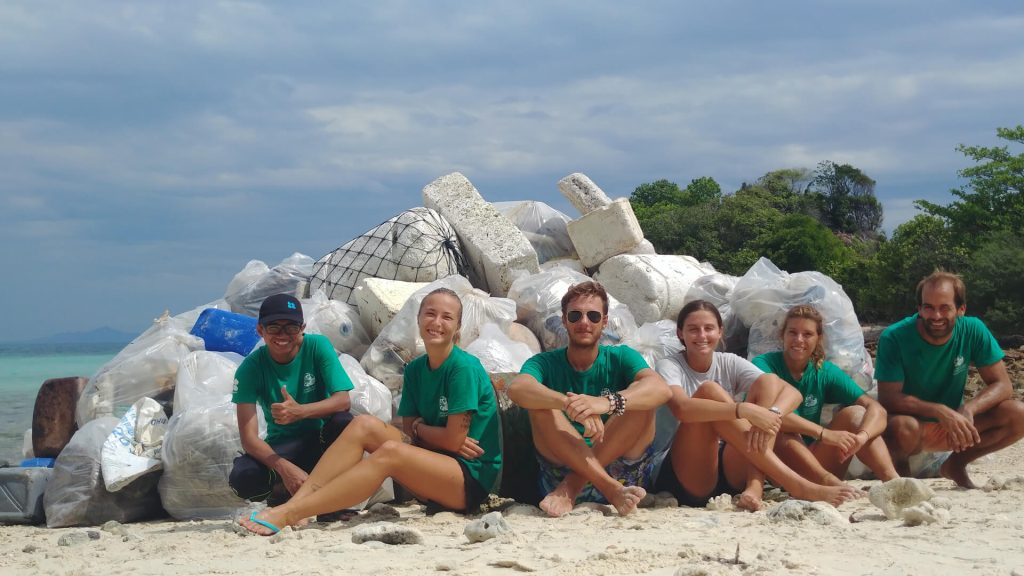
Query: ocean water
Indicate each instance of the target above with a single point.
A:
(24, 368)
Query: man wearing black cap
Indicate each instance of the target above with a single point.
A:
(299, 383)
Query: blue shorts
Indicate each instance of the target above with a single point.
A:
(637, 472)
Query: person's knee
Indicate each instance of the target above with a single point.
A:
(1012, 413)
(903, 433)
(849, 418)
(711, 390)
(389, 454)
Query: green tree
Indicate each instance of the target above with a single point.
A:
(743, 220)
(917, 248)
(798, 243)
(846, 199)
(659, 192)
(703, 190)
(995, 278)
(993, 198)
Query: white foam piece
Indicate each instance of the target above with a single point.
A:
(605, 232)
(654, 287)
(492, 245)
(379, 300)
(583, 193)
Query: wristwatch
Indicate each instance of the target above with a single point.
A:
(776, 410)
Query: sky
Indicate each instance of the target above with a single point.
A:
(149, 150)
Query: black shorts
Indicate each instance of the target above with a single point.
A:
(475, 493)
(668, 482)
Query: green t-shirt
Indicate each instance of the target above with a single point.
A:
(313, 375)
(827, 385)
(613, 371)
(934, 373)
(460, 384)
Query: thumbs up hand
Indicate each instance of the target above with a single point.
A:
(286, 411)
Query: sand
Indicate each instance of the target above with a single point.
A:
(977, 532)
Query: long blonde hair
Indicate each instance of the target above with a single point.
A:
(808, 312)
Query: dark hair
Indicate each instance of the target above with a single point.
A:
(938, 276)
(810, 313)
(695, 306)
(446, 292)
(589, 288)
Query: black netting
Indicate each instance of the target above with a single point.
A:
(417, 245)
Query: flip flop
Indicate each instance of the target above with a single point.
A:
(264, 523)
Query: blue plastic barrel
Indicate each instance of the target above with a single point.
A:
(224, 331)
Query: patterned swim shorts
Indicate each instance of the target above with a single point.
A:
(637, 472)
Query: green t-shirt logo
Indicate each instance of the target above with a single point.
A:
(959, 365)
(442, 406)
(810, 401)
(308, 382)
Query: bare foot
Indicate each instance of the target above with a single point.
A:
(834, 495)
(272, 516)
(951, 471)
(559, 501)
(626, 499)
(749, 501)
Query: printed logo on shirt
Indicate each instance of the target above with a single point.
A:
(811, 401)
(308, 382)
(442, 406)
(959, 365)
(234, 387)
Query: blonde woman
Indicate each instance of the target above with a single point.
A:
(819, 453)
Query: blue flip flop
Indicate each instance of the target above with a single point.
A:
(264, 523)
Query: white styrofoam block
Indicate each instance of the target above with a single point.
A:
(491, 243)
(644, 247)
(379, 300)
(605, 232)
(583, 193)
(654, 287)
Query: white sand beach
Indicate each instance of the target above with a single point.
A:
(984, 535)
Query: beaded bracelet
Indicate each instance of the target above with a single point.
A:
(620, 404)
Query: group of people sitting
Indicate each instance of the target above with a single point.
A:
(592, 412)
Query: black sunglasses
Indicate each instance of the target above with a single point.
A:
(574, 316)
(289, 329)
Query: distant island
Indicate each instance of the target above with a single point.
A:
(104, 335)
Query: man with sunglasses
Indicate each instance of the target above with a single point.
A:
(591, 411)
(302, 389)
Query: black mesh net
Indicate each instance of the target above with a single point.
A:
(417, 245)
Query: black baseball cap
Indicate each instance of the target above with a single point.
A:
(280, 307)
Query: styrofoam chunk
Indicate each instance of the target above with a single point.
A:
(492, 244)
(583, 193)
(654, 287)
(605, 232)
(379, 300)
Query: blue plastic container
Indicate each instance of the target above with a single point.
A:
(37, 463)
(224, 331)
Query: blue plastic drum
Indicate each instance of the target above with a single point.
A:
(224, 331)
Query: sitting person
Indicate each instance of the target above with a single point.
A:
(591, 410)
(298, 382)
(922, 371)
(818, 453)
(449, 410)
(704, 384)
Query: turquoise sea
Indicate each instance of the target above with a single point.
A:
(24, 368)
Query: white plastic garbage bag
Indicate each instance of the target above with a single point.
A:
(247, 290)
(368, 396)
(338, 321)
(498, 352)
(655, 340)
(147, 367)
(544, 227)
(205, 379)
(133, 448)
(75, 494)
(199, 450)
